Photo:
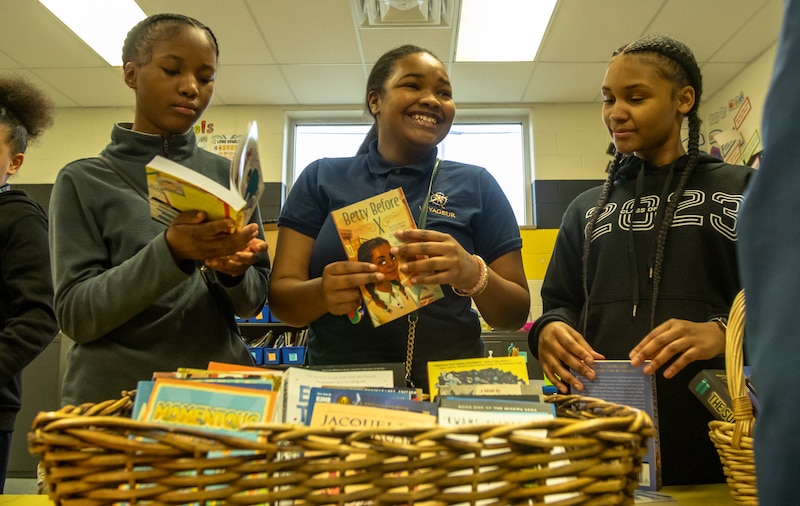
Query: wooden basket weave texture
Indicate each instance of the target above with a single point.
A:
(734, 441)
(94, 454)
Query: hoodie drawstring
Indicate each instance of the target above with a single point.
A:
(631, 247)
(659, 219)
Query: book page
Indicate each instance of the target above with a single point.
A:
(246, 175)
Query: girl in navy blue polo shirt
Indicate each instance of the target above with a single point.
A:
(470, 240)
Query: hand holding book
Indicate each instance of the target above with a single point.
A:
(190, 237)
(367, 230)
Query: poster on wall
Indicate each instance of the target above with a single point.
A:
(742, 113)
(224, 145)
(752, 147)
(210, 140)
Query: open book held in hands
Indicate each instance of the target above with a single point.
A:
(366, 230)
(174, 188)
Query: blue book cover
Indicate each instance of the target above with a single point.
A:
(145, 387)
(214, 407)
(620, 383)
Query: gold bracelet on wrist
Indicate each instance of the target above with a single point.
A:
(482, 281)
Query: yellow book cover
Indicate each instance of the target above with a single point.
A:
(173, 188)
(360, 417)
(364, 418)
(494, 370)
(366, 229)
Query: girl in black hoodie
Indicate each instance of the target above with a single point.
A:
(27, 322)
(659, 272)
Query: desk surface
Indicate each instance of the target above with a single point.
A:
(699, 495)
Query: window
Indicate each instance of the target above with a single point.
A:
(497, 146)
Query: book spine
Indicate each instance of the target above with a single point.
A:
(656, 443)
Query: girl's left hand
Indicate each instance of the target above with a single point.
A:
(432, 257)
(238, 263)
(689, 340)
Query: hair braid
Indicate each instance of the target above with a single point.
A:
(677, 64)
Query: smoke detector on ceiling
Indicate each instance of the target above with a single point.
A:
(377, 13)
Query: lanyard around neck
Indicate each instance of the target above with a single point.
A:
(423, 213)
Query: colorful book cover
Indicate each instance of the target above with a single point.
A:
(297, 383)
(710, 386)
(217, 408)
(450, 417)
(489, 403)
(620, 383)
(173, 188)
(226, 367)
(359, 417)
(473, 371)
(366, 230)
(145, 387)
(390, 399)
(491, 389)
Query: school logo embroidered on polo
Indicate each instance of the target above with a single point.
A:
(438, 204)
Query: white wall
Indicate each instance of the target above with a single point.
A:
(569, 139)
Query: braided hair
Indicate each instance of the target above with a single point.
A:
(676, 63)
(380, 73)
(25, 112)
(138, 45)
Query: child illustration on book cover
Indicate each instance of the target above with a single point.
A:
(366, 229)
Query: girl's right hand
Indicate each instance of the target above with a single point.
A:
(562, 348)
(341, 282)
(190, 237)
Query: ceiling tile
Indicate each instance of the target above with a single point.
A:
(377, 41)
(489, 83)
(40, 40)
(317, 31)
(326, 84)
(91, 87)
(565, 82)
(590, 31)
(252, 84)
(314, 52)
(237, 32)
(754, 36)
(704, 26)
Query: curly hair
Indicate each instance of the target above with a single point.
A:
(25, 111)
(676, 63)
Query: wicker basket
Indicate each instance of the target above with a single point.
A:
(94, 454)
(734, 441)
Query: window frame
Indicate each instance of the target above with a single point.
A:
(464, 116)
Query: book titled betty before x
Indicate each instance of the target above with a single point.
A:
(174, 188)
(366, 229)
